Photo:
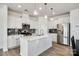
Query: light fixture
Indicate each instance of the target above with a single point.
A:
(35, 12)
(45, 11)
(51, 19)
(52, 11)
(26, 11)
(40, 8)
(19, 6)
(45, 16)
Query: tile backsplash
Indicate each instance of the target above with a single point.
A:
(32, 30)
(52, 30)
(24, 30)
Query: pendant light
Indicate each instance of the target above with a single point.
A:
(19, 6)
(40, 8)
(45, 16)
(25, 12)
(45, 11)
(35, 11)
(52, 13)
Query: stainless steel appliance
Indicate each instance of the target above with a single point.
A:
(63, 33)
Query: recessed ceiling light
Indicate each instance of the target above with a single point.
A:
(19, 6)
(40, 8)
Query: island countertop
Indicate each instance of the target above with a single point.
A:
(33, 37)
(34, 45)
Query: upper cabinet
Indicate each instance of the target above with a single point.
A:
(14, 22)
(52, 24)
(43, 25)
(33, 22)
(25, 19)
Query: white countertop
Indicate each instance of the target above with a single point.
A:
(34, 45)
(30, 38)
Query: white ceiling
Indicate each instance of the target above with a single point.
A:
(58, 8)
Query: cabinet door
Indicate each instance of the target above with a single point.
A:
(33, 47)
(14, 22)
(11, 42)
(17, 40)
(54, 37)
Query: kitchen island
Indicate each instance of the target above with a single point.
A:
(34, 45)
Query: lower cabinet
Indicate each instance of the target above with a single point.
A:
(34, 47)
(54, 37)
(13, 41)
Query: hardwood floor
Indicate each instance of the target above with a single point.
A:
(56, 50)
(11, 52)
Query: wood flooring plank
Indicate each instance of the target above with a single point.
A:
(55, 50)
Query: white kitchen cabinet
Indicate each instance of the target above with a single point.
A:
(34, 45)
(43, 25)
(25, 19)
(52, 24)
(33, 22)
(14, 22)
(54, 37)
(13, 41)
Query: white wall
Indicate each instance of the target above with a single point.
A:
(74, 20)
(3, 27)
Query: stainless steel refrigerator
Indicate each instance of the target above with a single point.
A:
(63, 34)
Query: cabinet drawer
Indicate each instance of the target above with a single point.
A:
(13, 41)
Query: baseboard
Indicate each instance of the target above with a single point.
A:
(13, 47)
(63, 44)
